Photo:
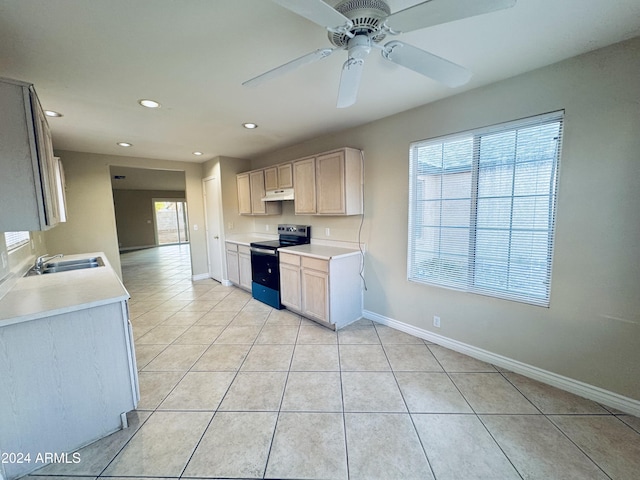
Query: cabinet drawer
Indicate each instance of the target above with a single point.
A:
(290, 258)
(244, 249)
(231, 247)
(315, 264)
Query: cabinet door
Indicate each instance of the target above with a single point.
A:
(304, 179)
(285, 175)
(244, 194)
(244, 267)
(271, 178)
(47, 163)
(290, 286)
(233, 271)
(256, 181)
(315, 294)
(330, 183)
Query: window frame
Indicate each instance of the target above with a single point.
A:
(15, 240)
(468, 279)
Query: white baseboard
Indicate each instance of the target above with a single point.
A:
(200, 276)
(597, 394)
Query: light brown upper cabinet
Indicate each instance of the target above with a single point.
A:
(31, 189)
(278, 177)
(304, 179)
(329, 183)
(244, 194)
(251, 190)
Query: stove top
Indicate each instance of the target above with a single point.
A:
(269, 244)
(289, 235)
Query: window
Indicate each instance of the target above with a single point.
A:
(16, 239)
(482, 209)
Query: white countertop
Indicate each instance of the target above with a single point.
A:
(324, 252)
(41, 296)
(247, 238)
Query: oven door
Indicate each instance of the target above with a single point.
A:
(265, 270)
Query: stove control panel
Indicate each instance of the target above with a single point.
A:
(298, 230)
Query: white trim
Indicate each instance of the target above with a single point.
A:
(200, 276)
(597, 394)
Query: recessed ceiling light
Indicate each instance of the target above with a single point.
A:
(149, 103)
(125, 144)
(250, 126)
(51, 113)
(197, 153)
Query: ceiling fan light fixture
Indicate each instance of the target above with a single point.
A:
(145, 102)
(250, 125)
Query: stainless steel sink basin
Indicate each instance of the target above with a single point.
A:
(79, 261)
(66, 265)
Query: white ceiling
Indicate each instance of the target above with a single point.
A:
(92, 60)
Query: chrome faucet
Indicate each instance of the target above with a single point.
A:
(42, 260)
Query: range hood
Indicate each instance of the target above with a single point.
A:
(277, 195)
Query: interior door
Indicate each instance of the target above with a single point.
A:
(212, 205)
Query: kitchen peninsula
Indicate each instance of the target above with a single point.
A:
(67, 360)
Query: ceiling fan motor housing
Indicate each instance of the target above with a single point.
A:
(367, 17)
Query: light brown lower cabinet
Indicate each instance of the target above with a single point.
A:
(327, 291)
(238, 264)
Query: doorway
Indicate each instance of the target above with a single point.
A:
(170, 221)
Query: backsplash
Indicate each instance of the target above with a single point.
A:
(323, 228)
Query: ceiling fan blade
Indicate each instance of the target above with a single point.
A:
(289, 66)
(315, 10)
(350, 81)
(426, 63)
(435, 12)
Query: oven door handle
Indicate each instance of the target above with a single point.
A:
(265, 251)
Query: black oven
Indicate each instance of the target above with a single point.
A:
(265, 269)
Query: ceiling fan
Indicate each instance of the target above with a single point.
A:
(360, 25)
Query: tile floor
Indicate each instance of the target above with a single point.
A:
(234, 389)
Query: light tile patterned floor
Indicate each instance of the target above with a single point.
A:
(232, 388)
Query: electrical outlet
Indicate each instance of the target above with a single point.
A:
(230, 225)
(436, 321)
(266, 228)
(327, 232)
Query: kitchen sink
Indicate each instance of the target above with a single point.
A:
(68, 265)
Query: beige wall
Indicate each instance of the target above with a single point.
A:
(91, 225)
(134, 215)
(225, 169)
(591, 332)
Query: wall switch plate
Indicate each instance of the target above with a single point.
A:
(436, 321)
(327, 232)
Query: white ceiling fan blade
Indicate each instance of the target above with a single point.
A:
(315, 10)
(435, 12)
(426, 63)
(290, 66)
(350, 81)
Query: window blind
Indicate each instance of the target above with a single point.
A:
(482, 209)
(16, 239)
